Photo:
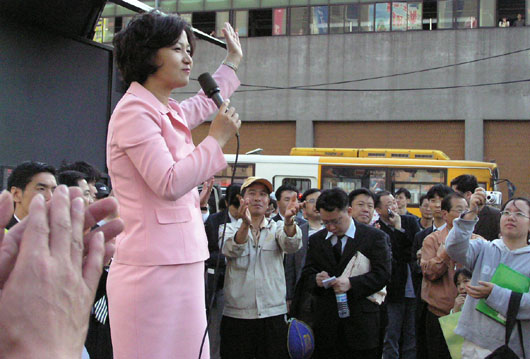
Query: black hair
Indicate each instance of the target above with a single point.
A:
(439, 189)
(24, 173)
(283, 188)
(70, 178)
(90, 173)
(359, 191)
(446, 202)
(423, 198)
(465, 183)
(405, 191)
(464, 271)
(232, 194)
(137, 44)
(274, 203)
(378, 197)
(332, 199)
(308, 193)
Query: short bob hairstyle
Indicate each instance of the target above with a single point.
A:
(137, 44)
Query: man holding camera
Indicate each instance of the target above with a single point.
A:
(489, 217)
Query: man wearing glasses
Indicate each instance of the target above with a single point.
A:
(329, 253)
(438, 289)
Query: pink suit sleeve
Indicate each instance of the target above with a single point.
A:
(197, 108)
(139, 134)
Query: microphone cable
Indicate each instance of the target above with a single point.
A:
(216, 271)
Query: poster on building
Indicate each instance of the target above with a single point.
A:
(415, 16)
(278, 27)
(399, 16)
(319, 22)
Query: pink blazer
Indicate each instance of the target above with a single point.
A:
(155, 169)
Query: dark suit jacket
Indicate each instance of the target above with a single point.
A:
(294, 262)
(360, 331)
(211, 227)
(401, 243)
(488, 225)
(415, 268)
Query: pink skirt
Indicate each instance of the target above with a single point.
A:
(157, 312)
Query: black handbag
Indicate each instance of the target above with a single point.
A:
(505, 352)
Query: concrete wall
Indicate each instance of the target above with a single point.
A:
(307, 60)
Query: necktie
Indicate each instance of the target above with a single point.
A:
(337, 249)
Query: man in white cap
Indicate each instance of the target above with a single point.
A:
(253, 323)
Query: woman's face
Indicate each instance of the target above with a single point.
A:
(175, 64)
(517, 224)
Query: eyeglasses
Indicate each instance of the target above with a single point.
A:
(334, 222)
(457, 210)
(312, 200)
(518, 215)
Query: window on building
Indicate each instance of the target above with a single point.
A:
(245, 4)
(445, 14)
(279, 22)
(167, 6)
(220, 18)
(336, 19)
(430, 15)
(190, 5)
(466, 13)
(318, 23)
(487, 13)
(351, 21)
(382, 17)
(241, 22)
(415, 16)
(399, 16)
(108, 29)
(367, 17)
(204, 21)
(260, 22)
(299, 21)
(216, 4)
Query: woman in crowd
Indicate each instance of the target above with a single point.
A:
(482, 334)
(156, 280)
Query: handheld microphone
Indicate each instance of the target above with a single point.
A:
(210, 88)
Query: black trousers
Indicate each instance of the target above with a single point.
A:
(254, 338)
(435, 340)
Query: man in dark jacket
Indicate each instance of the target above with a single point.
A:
(401, 299)
(330, 250)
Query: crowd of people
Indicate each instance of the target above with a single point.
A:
(269, 263)
(420, 269)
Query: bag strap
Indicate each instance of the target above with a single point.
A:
(513, 308)
(521, 337)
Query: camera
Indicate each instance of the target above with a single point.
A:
(493, 198)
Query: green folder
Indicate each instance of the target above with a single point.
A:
(508, 278)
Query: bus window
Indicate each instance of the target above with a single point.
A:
(243, 171)
(417, 181)
(350, 178)
(302, 184)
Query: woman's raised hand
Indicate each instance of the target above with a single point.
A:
(233, 46)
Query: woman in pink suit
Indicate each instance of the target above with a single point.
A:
(156, 280)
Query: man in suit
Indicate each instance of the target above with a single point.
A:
(401, 299)
(329, 252)
(435, 195)
(28, 179)
(283, 195)
(214, 231)
(294, 262)
(488, 225)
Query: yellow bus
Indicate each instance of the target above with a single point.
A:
(349, 169)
